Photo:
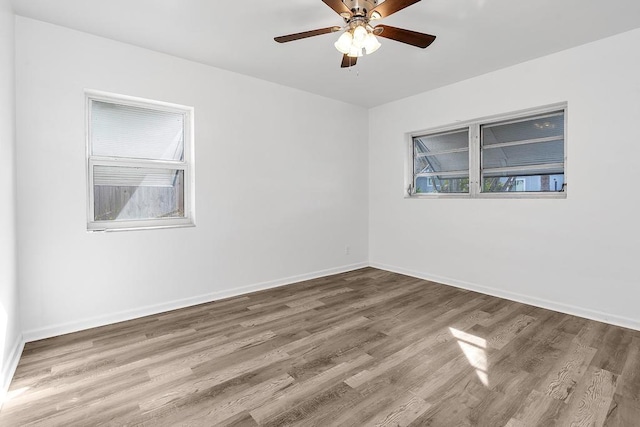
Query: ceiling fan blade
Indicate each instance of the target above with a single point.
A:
(304, 35)
(339, 7)
(390, 7)
(413, 38)
(348, 61)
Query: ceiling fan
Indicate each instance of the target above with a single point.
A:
(359, 36)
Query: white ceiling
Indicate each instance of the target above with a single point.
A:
(474, 37)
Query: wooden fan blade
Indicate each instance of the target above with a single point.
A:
(304, 35)
(391, 6)
(348, 61)
(413, 38)
(339, 7)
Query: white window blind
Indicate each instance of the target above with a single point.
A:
(134, 132)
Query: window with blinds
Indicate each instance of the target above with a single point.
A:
(523, 155)
(515, 155)
(139, 163)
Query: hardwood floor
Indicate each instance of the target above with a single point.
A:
(361, 348)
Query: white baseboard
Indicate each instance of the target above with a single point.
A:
(10, 368)
(65, 328)
(586, 313)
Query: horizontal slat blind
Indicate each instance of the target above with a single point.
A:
(120, 176)
(133, 132)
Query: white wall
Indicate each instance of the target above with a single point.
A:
(282, 181)
(10, 338)
(281, 185)
(578, 255)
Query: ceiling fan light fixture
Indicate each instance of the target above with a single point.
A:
(344, 43)
(355, 52)
(357, 42)
(371, 44)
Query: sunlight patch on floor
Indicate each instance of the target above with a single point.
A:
(13, 394)
(473, 348)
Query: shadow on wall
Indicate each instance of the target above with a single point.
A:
(3, 345)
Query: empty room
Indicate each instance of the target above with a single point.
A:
(319, 213)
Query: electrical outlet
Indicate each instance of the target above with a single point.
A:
(347, 250)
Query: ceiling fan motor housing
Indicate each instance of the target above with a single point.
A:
(360, 7)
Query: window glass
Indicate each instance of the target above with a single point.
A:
(542, 126)
(523, 155)
(522, 183)
(442, 141)
(442, 162)
(437, 184)
(131, 193)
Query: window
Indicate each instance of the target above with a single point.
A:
(528, 150)
(140, 164)
(441, 162)
(517, 155)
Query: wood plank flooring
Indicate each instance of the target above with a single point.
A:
(367, 347)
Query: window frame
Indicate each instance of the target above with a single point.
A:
(475, 156)
(186, 165)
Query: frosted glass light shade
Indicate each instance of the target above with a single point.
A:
(355, 52)
(359, 36)
(344, 42)
(371, 44)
